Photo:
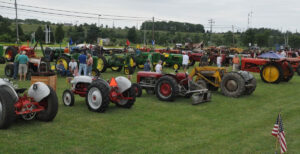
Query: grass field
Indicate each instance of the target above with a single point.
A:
(224, 125)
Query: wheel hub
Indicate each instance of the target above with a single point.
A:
(0, 109)
(165, 89)
(94, 98)
(67, 99)
(231, 85)
(100, 64)
(29, 116)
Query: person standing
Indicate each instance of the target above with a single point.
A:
(82, 64)
(185, 61)
(147, 67)
(73, 67)
(219, 61)
(283, 53)
(89, 64)
(16, 66)
(158, 67)
(23, 65)
(204, 60)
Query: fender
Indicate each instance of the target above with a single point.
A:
(38, 91)
(123, 84)
(9, 88)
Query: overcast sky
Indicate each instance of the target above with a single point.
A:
(279, 14)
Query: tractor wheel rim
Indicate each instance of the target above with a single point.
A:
(271, 73)
(115, 68)
(141, 66)
(8, 55)
(124, 101)
(94, 73)
(175, 66)
(231, 85)
(67, 98)
(126, 71)
(131, 62)
(94, 98)
(100, 64)
(0, 110)
(29, 116)
(165, 89)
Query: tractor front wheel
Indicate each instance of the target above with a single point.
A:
(65, 61)
(138, 89)
(9, 70)
(127, 103)
(116, 68)
(7, 112)
(271, 73)
(233, 85)
(68, 98)
(251, 87)
(101, 64)
(128, 70)
(176, 66)
(140, 66)
(97, 98)
(288, 72)
(50, 104)
(166, 88)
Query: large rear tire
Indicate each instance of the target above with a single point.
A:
(51, 107)
(271, 73)
(166, 88)
(9, 70)
(233, 85)
(101, 64)
(97, 98)
(10, 53)
(288, 72)
(127, 103)
(7, 112)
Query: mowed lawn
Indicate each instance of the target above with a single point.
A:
(224, 125)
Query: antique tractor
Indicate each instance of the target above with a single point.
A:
(117, 61)
(143, 56)
(40, 102)
(172, 60)
(12, 51)
(168, 86)
(271, 70)
(2, 59)
(99, 93)
(232, 84)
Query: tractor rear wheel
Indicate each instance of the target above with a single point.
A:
(49, 53)
(116, 68)
(7, 109)
(10, 53)
(166, 88)
(298, 69)
(271, 73)
(2, 60)
(101, 64)
(65, 60)
(50, 104)
(9, 70)
(251, 89)
(125, 103)
(138, 89)
(97, 98)
(288, 72)
(68, 98)
(128, 70)
(233, 85)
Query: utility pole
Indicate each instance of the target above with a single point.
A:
(152, 28)
(232, 35)
(99, 20)
(17, 27)
(211, 22)
(249, 19)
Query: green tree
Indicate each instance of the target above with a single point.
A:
(59, 33)
(39, 34)
(131, 35)
(92, 33)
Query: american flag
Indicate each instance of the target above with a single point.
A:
(278, 132)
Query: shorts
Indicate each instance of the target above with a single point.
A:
(184, 66)
(22, 68)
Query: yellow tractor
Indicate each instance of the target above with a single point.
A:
(232, 84)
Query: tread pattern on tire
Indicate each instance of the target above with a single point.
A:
(8, 109)
(174, 86)
(9, 70)
(238, 79)
(72, 97)
(137, 87)
(291, 73)
(129, 103)
(105, 96)
(52, 107)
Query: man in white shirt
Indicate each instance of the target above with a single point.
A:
(158, 67)
(185, 61)
(73, 67)
(219, 61)
(283, 53)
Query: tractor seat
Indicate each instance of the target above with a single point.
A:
(20, 91)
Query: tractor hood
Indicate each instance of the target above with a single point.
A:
(246, 75)
(82, 79)
(123, 84)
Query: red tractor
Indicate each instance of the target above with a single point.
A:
(271, 70)
(12, 51)
(99, 93)
(168, 86)
(40, 102)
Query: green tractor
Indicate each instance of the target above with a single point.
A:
(99, 64)
(143, 56)
(172, 60)
(2, 59)
(117, 61)
(53, 53)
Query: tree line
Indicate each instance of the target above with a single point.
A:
(164, 34)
